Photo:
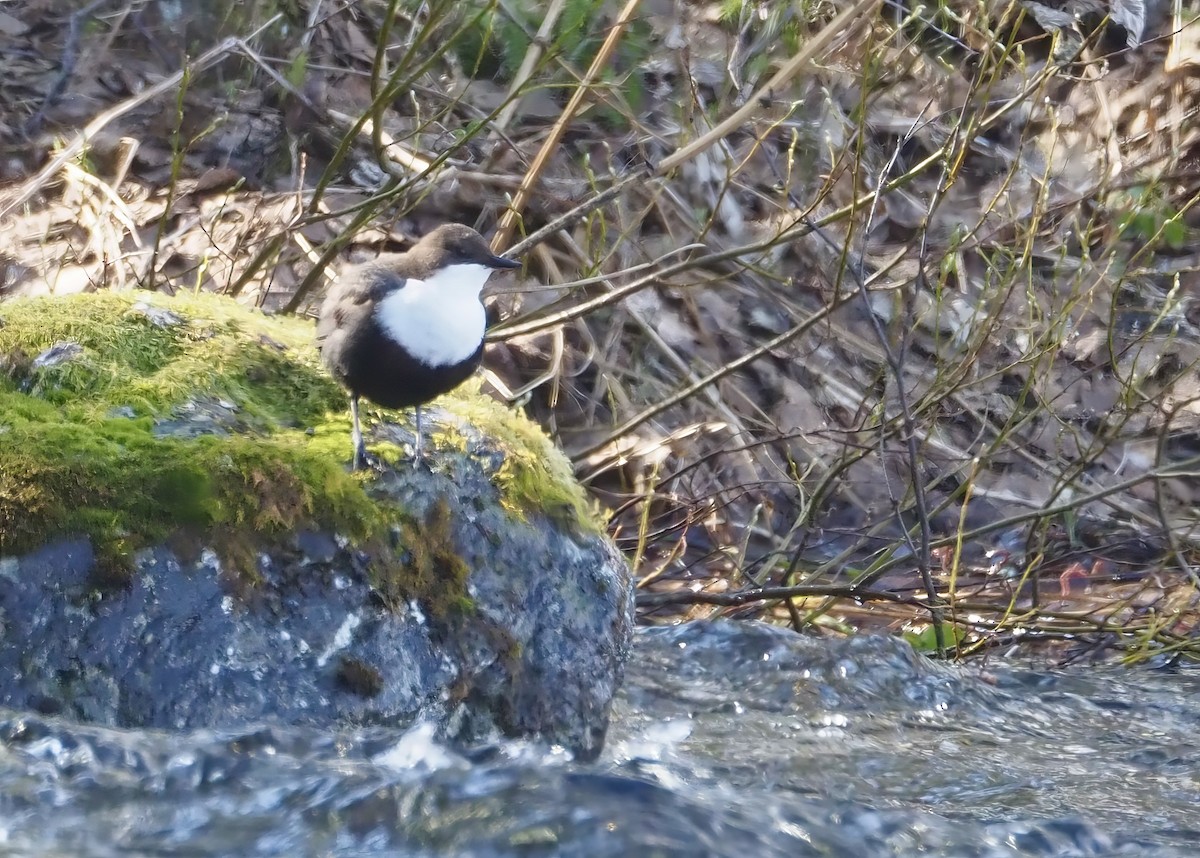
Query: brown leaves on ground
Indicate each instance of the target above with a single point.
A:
(965, 238)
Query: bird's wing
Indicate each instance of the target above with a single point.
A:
(354, 295)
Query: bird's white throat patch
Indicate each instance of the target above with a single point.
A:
(439, 321)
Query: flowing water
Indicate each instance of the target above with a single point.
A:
(728, 740)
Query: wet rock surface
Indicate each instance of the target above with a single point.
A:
(537, 652)
(728, 739)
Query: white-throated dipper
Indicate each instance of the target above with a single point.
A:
(407, 327)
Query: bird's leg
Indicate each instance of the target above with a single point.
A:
(356, 437)
(417, 445)
(361, 456)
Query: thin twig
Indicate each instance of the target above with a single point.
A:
(537, 46)
(716, 375)
(844, 25)
(508, 223)
(764, 594)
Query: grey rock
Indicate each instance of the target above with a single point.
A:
(157, 316)
(60, 352)
(495, 608)
(182, 644)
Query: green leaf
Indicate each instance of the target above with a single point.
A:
(576, 21)
(1174, 233)
(926, 639)
(731, 10)
(298, 68)
(514, 44)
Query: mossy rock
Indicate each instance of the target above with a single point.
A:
(136, 418)
(183, 546)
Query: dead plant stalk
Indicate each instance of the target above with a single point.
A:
(508, 223)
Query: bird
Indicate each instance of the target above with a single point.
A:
(405, 328)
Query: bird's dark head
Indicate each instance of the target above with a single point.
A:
(458, 244)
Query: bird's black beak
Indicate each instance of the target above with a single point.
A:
(501, 262)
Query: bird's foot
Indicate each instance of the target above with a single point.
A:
(420, 460)
(418, 448)
(363, 459)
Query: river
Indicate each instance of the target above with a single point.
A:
(728, 739)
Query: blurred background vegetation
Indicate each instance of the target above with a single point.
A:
(852, 315)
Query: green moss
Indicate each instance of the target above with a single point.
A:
(357, 677)
(535, 477)
(114, 480)
(217, 349)
(80, 454)
(83, 451)
(432, 565)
